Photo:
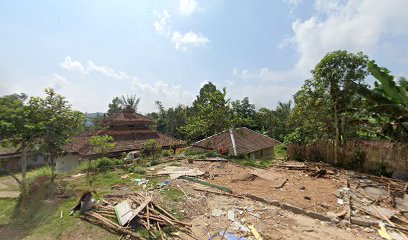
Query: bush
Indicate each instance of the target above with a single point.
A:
(101, 164)
(39, 172)
(151, 149)
(166, 153)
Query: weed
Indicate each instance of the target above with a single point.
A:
(174, 195)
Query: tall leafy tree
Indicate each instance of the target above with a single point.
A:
(20, 127)
(337, 73)
(114, 107)
(243, 113)
(210, 113)
(59, 122)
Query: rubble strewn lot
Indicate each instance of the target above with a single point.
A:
(287, 201)
(191, 199)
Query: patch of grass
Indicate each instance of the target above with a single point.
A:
(39, 172)
(7, 207)
(174, 194)
(280, 151)
(266, 163)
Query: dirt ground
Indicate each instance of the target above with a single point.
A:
(318, 191)
(209, 212)
(271, 222)
(8, 187)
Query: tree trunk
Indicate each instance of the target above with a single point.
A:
(52, 161)
(24, 192)
(337, 139)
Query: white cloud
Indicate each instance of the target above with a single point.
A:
(72, 65)
(170, 95)
(58, 82)
(183, 41)
(161, 25)
(187, 7)
(352, 25)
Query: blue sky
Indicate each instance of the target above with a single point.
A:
(92, 51)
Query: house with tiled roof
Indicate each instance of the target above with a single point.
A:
(239, 142)
(130, 131)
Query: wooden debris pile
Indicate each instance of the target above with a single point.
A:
(125, 213)
(376, 199)
(316, 170)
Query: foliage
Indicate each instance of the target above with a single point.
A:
(59, 123)
(170, 120)
(166, 153)
(265, 163)
(243, 113)
(114, 107)
(103, 144)
(101, 164)
(210, 113)
(325, 104)
(151, 149)
(388, 104)
(273, 122)
(129, 102)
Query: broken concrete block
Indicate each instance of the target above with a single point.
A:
(217, 212)
(231, 215)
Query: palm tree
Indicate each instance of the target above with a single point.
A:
(130, 102)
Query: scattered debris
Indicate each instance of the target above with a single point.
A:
(278, 180)
(207, 184)
(176, 172)
(255, 232)
(231, 215)
(132, 210)
(217, 212)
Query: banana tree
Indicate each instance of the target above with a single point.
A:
(390, 103)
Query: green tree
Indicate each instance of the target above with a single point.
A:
(243, 113)
(151, 148)
(388, 103)
(210, 113)
(170, 120)
(59, 123)
(101, 146)
(20, 127)
(114, 107)
(337, 73)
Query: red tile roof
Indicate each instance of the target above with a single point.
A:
(246, 141)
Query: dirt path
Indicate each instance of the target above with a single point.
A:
(8, 187)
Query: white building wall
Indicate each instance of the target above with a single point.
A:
(67, 162)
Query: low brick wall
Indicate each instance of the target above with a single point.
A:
(369, 156)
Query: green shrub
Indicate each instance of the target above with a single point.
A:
(166, 153)
(39, 172)
(151, 149)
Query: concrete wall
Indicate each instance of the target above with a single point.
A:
(267, 153)
(14, 163)
(367, 156)
(67, 162)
